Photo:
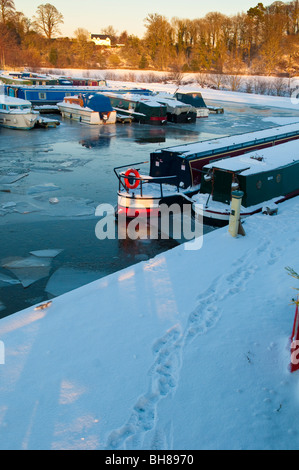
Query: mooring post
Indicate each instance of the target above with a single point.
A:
(235, 226)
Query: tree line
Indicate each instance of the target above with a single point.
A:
(263, 41)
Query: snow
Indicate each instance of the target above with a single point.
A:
(171, 353)
(9, 100)
(188, 350)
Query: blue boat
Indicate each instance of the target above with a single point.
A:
(51, 95)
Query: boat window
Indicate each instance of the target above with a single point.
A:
(278, 178)
(259, 184)
(42, 96)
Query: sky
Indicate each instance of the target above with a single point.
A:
(129, 15)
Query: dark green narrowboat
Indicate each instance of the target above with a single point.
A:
(265, 177)
(144, 109)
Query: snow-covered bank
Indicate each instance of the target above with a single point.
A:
(186, 351)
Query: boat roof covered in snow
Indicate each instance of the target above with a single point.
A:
(11, 101)
(214, 146)
(268, 159)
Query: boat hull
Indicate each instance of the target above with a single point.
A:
(220, 218)
(202, 113)
(85, 116)
(150, 205)
(18, 121)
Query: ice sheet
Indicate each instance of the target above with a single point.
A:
(7, 280)
(12, 178)
(29, 270)
(41, 188)
(46, 253)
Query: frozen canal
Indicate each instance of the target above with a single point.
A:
(51, 182)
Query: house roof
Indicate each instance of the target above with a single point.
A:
(100, 36)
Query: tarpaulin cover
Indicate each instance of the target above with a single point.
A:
(98, 102)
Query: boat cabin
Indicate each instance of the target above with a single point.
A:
(193, 98)
(187, 161)
(262, 175)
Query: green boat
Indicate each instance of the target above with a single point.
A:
(142, 108)
(265, 177)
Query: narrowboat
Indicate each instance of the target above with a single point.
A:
(46, 95)
(265, 179)
(17, 114)
(89, 109)
(51, 95)
(87, 82)
(175, 172)
(144, 109)
(31, 79)
(196, 100)
(177, 111)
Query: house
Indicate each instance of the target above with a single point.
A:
(101, 39)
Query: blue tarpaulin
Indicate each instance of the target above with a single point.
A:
(98, 102)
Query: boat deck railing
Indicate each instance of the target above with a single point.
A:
(144, 181)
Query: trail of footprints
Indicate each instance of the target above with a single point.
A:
(168, 352)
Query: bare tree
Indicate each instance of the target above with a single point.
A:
(7, 8)
(47, 20)
(234, 82)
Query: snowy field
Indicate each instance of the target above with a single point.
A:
(188, 350)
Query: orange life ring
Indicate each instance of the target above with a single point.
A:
(132, 172)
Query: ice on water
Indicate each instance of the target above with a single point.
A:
(30, 270)
(7, 280)
(41, 188)
(46, 253)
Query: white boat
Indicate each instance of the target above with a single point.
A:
(93, 109)
(16, 113)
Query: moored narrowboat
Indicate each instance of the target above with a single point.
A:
(177, 111)
(46, 95)
(265, 178)
(187, 160)
(142, 108)
(175, 172)
(51, 95)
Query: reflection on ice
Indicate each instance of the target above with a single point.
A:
(67, 279)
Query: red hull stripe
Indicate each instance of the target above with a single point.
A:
(158, 118)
